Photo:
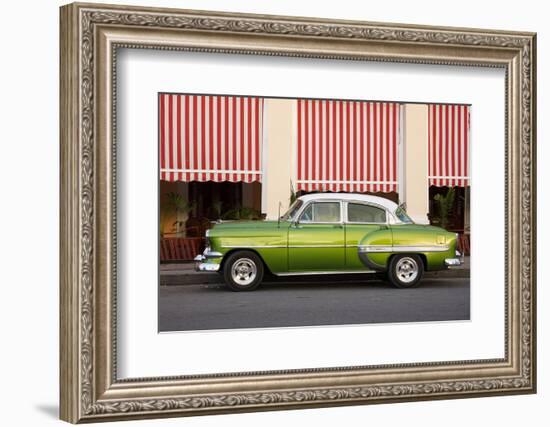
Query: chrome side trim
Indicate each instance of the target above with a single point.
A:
(401, 248)
(362, 248)
(252, 246)
(374, 248)
(316, 246)
(281, 246)
(314, 273)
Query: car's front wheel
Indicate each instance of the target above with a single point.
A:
(243, 271)
(405, 270)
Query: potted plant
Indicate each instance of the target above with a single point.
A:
(179, 205)
(445, 204)
(177, 247)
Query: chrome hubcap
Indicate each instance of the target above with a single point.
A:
(243, 271)
(407, 269)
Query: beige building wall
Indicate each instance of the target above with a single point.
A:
(279, 141)
(414, 186)
(279, 161)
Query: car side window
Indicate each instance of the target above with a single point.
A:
(358, 212)
(321, 212)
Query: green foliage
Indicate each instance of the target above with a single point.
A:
(174, 203)
(242, 213)
(177, 203)
(445, 205)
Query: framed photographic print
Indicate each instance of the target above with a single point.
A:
(266, 212)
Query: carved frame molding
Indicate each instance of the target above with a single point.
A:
(90, 37)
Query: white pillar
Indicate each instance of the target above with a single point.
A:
(278, 154)
(414, 188)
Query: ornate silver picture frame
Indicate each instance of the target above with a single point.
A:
(90, 37)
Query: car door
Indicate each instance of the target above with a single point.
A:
(316, 241)
(361, 219)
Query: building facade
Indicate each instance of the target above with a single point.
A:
(225, 153)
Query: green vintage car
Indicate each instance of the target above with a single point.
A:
(328, 233)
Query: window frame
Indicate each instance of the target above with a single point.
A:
(306, 205)
(374, 205)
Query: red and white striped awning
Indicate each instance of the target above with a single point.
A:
(210, 138)
(449, 145)
(347, 146)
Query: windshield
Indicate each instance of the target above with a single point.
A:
(402, 215)
(292, 210)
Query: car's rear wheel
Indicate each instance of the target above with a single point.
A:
(405, 271)
(243, 271)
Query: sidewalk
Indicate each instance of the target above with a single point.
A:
(184, 274)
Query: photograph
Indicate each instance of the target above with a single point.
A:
(286, 212)
(262, 212)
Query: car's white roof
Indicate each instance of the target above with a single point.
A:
(388, 204)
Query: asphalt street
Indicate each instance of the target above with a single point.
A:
(284, 303)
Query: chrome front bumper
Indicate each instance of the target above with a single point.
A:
(455, 262)
(201, 265)
(206, 266)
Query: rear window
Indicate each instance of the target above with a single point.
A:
(358, 212)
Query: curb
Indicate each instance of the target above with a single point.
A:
(187, 277)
